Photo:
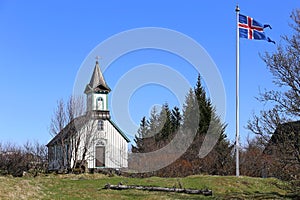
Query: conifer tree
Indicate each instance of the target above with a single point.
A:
(165, 123)
(176, 119)
(205, 107)
(138, 139)
(154, 123)
(220, 156)
(198, 119)
(190, 111)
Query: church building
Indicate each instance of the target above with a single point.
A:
(93, 140)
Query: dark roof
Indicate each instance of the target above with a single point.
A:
(97, 82)
(286, 132)
(68, 130)
(286, 129)
(78, 123)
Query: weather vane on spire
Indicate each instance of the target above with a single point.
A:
(98, 58)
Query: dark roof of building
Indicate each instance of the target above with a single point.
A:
(286, 132)
(97, 82)
(68, 130)
(289, 129)
(77, 123)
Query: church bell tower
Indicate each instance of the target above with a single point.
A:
(97, 95)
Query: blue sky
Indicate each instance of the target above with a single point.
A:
(44, 43)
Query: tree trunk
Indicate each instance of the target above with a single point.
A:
(205, 192)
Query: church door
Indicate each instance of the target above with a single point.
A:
(100, 156)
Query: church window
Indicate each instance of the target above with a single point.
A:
(99, 103)
(100, 125)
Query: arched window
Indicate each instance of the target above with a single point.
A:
(100, 125)
(100, 103)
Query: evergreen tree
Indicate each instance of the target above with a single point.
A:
(220, 156)
(165, 123)
(142, 131)
(198, 122)
(205, 107)
(175, 119)
(139, 137)
(190, 111)
(154, 123)
(210, 130)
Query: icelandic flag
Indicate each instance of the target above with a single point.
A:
(251, 29)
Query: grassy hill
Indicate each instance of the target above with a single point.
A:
(90, 186)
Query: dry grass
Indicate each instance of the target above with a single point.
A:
(87, 186)
(19, 188)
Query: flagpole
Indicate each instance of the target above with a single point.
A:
(237, 145)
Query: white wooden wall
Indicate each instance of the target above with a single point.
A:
(116, 151)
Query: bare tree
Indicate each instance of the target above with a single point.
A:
(58, 123)
(277, 126)
(284, 65)
(75, 112)
(75, 107)
(251, 162)
(59, 119)
(16, 159)
(11, 160)
(83, 139)
(74, 130)
(36, 154)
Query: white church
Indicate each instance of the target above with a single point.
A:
(96, 142)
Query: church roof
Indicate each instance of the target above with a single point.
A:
(287, 133)
(97, 82)
(77, 124)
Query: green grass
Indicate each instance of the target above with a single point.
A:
(87, 186)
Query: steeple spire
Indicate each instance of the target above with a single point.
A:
(97, 82)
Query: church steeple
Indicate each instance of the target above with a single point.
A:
(97, 95)
(97, 83)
